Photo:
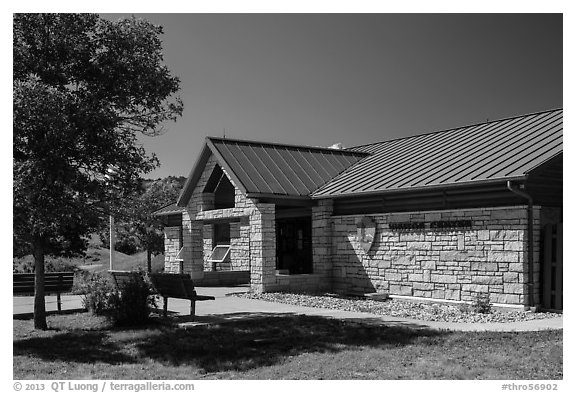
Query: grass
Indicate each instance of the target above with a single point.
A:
(270, 346)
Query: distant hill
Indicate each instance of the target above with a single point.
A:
(176, 182)
(97, 259)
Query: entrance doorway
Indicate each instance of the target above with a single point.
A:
(294, 245)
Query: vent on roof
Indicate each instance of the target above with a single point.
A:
(337, 146)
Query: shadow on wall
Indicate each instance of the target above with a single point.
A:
(351, 265)
(234, 342)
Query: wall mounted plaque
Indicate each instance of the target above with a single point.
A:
(366, 232)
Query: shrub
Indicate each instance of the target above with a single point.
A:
(130, 306)
(481, 303)
(464, 308)
(97, 291)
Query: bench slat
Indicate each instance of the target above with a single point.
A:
(54, 282)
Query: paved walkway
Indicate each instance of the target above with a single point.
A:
(232, 307)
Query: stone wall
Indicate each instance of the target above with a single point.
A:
(490, 256)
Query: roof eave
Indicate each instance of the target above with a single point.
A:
(258, 195)
(422, 188)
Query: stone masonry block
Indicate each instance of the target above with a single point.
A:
(503, 256)
(405, 260)
(511, 277)
(505, 298)
(428, 265)
(484, 266)
(514, 288)
(443, 278)
(419, 246)
(507, 214)
(516, 267)
(415, 277)
(392, 276)
(478, 288)
(487, 280)
(513, 245)
(483, 235)
(424, 286)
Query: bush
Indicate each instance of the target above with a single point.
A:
(131, 306)
(97, 291)
(464, 308)
(481, 303)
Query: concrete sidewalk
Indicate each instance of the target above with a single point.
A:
(229, 308)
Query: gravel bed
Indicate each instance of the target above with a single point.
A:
(398, 308)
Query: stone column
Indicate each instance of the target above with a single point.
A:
(193, 249)
(171, 247)
(322, 242)
(263, 247)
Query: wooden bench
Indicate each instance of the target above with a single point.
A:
(57, 282)
(122, 278)
(178, 286)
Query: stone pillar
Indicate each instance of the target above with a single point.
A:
(171, 247)
(207, 246)
(322, 242)
(194, 249)
(263, 247)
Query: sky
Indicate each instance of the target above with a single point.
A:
(319, 79)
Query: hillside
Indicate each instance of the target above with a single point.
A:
(97, 259)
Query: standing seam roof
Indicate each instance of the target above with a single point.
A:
(499, 149)
(282, 170)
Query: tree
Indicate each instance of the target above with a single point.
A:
(137, 219)
(83, 88)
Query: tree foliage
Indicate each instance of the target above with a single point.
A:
(137, 229)
(83, 88)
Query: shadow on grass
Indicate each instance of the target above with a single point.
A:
(30, 315)
(238, 341)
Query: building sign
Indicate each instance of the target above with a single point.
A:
(421, 225)
(366, 232)
(406, 225)
(454, 224)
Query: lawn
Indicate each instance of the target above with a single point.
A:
(81, 346)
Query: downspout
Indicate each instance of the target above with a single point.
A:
(530, 241)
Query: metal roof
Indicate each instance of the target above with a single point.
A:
(498, 150)
(276, 170)
(168, 210)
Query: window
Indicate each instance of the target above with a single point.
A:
(223, 191)
(219, 254)
(221, 234)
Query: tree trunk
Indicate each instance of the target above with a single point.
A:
(39, 300)
(149, 254)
